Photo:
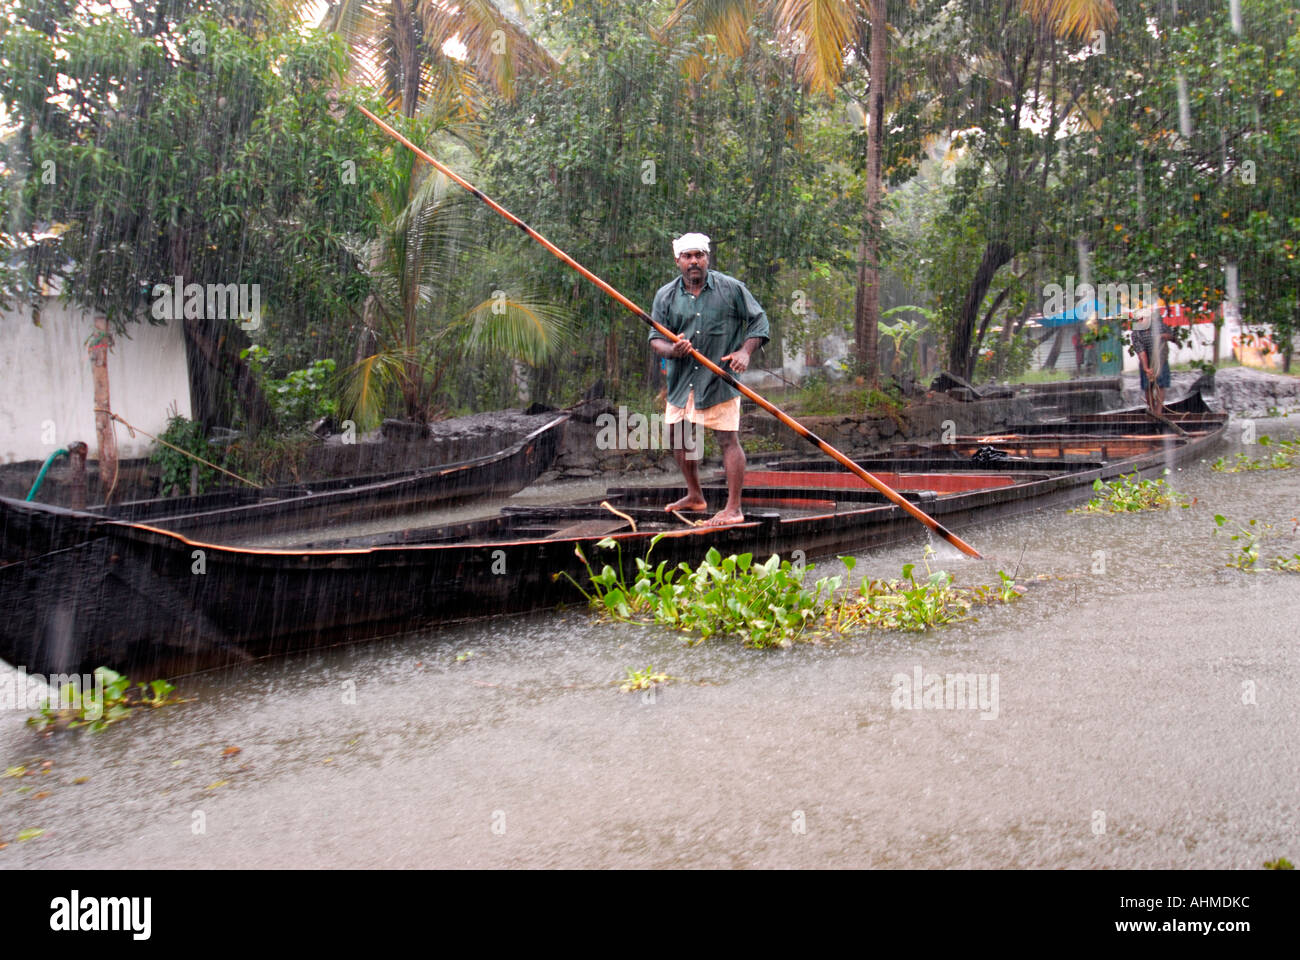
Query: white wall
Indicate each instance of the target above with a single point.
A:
(45, 380)
(1199, 346)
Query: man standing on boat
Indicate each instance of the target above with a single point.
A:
(1152, 346)
(718, 316)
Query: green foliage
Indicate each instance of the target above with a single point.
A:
(189, 138)
(819, 397)
(763, 443)
(1007, 358)
(1182, 197)
(765, 604)
(623, 152)
(768, 605)
(902, 334)
(1281, 863)
(175, 467)
(303, 395)
(1129, 494)
(435, 309)
(111, 699)
(270, 458)
(194, 145)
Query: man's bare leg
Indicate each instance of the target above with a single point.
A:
(733, 461)
(690, 468)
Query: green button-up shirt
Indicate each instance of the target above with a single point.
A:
(717, 321)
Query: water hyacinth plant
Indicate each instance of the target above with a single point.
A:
(646, 679)
(1248, 539)
(1130, 494)
(768, 604)
(111, 699)
(1283, 458)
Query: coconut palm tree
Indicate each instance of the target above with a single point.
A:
(426, 326)
(821, 34)
(437, 57)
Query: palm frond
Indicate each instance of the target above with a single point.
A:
(515, 327)
(820, 31)
(497, 48)
(368, 387)
(1072, 19)
(728, 20)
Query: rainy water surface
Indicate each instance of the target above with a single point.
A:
(1146, 716)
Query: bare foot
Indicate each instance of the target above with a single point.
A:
(687, 503)
(724, 517)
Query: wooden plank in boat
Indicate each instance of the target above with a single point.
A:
(599, 527)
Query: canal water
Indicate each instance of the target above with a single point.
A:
(1138, 707)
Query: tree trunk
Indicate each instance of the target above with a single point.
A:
(997, 253)
(368, 339)
(1055, 353)
(107, 440)
(1009, 330)
(984, 324)
(222, 356)
(866, 311)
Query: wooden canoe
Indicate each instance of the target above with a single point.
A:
(232, 515)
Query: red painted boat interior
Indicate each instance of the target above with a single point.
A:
(830, 480)
(790, 503)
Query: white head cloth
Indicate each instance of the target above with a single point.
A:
(1142, 318)
(690, 241)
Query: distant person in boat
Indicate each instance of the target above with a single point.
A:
(1153, 363)
(718, 316)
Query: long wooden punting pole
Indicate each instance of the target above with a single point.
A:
(794, 425)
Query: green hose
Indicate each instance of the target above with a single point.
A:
(62, 451)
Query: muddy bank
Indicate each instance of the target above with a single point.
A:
(602, 437)
(1241, 391)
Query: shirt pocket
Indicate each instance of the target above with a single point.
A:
(717, 319)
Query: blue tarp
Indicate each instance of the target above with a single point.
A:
(1080, 314)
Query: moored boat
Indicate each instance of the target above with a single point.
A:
(150, 600)
(230, 515)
